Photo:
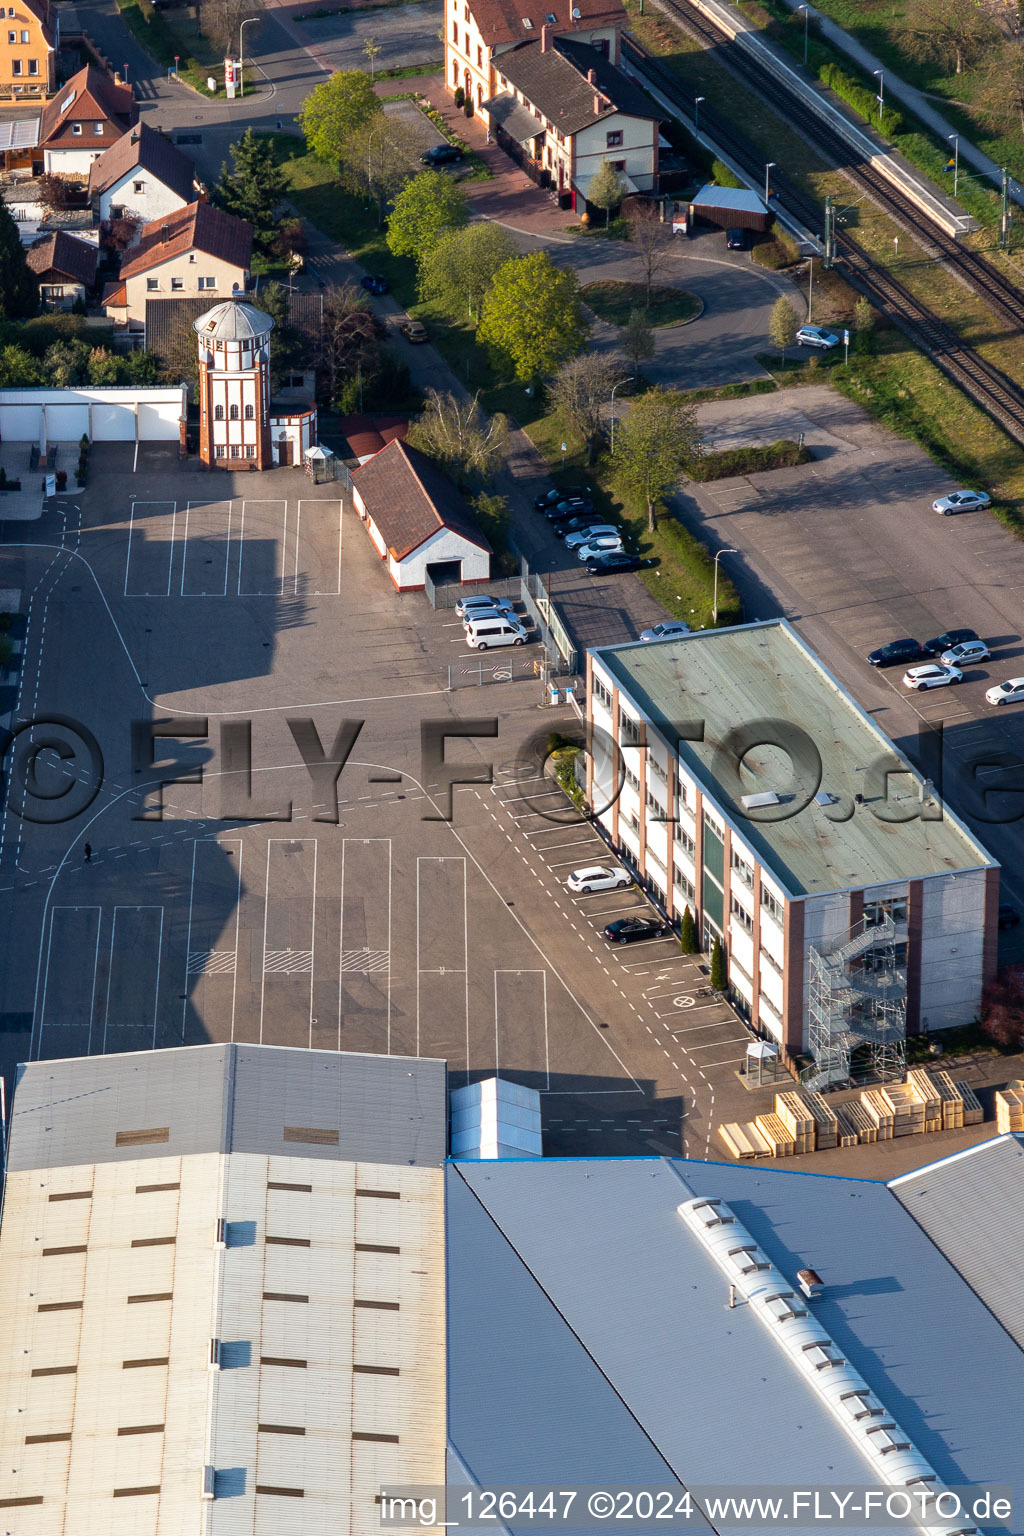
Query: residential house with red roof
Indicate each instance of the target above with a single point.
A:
(477, 32)
(64, 267)
(90, 114)
(198, 251)
(144, 175)
(417, 521)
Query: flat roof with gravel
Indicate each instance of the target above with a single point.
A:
(752, 685)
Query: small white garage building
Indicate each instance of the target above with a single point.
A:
(104, 415)
(417, 520)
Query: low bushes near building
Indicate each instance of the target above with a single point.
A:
(750, 460)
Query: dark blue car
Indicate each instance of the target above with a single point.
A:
(374, 284)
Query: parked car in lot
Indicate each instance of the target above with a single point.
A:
(672, 629)
(441, 154)
(630, 930)
(967, 654)
(576, 506)
(612, 562)
(946, 641)
(374, 283)
(1009, 917)
(489, 630)
(931, 675)
(597, 877)
(414, 331)
(560, 493)
(1010, 692)
(961, 501)
(575, 537)
(736, 239)
(897, 651)
(467, 607)
(817, 336)
(608, 543)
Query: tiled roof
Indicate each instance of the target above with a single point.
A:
(501, 21)
(555, 83)
(367, 435)
(410, 499)
(89, 96)
(146, 150)
(199, 227)
(115, 296)
(64, 256)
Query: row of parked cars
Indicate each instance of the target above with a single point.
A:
(943, 661)
(490, 622)
(596, 543)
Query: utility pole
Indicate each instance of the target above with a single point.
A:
(955, 137)
(829, 233)
(1004, 213)
(810, 290)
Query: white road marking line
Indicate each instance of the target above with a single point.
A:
(385, 842)
(110, 969)
(49, 955)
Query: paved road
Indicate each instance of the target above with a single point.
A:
(407, 35)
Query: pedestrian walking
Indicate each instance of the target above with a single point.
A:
(88, 853)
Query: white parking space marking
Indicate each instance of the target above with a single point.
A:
(521, 1002)
(318, 548)
(207, 540)
(263, 534)
(211, 943)
(69, 976)
(717, 1044)
(147, 568)
(133, 977)
(286, 990)
(364, 985)
(442, 956)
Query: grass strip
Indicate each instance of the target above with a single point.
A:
(614, 301)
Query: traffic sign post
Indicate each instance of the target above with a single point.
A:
(846, 344)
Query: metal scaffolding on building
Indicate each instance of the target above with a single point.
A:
(858, 996)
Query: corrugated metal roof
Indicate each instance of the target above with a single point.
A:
(972, 1207)
(722, 1404)
(728, 197)
(337, 1105)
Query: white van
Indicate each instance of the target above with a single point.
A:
(499, 629)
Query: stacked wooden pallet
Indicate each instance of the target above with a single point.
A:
(743, 1141)
(879, 1107)
(777, 1134)
(825, 1123)
(973, 1112)
(927, 1090)
(795, 1114)
(846, 1131)
(951, 1102)
(863, 1124)
(1010, 1107)
(907, 1108)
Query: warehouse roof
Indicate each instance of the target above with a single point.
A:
(618, 1356)
(972, 1207)
(765, 677)
(229, 1098)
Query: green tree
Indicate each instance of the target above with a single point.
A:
(654, 444)
(782, 326)
(141, 367)
(688, 934)
(458, 269)
(377, 159)
(66, 363)
(579, 391)
(254, 189)
(719, 978)
(19, 295)
(607, 189)
(371, 48)
(102, 367)
(427, 207)
(532, 318)
(289, 348)
(952, 33)
(636, 340)
(350, 340)
(336, 108)
(456, 433)
(19, 369)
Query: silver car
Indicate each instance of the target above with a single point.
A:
(468, 607)
(966, 654)
(603, 545)
(673, 629)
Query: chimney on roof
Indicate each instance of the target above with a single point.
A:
(117, 78)
(591, 76)
(135, 135)
(544, 38)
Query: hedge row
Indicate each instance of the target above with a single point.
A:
(748, 461)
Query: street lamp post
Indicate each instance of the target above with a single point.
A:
(767, 174)
(714, 601)
(241, 55)
(955, 139)
(696, 115)
(614, 388)
(807, 16)
(880, 74)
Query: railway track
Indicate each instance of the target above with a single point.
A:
(986, 385)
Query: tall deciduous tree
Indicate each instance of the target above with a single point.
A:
(650, 238)
(580, 390)
(1001, 98)
(350, 336)
(19, 295)
(254, 189)
(459, 436)
(654, 444)
(532, 318)
(953, 33)
(459, 268)
(636, 340)
(335, 109)
(782, 326)
(428, 206)
(377, 159)
(607, 189)
(221, 21)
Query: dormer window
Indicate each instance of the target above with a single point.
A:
(97, 129)
(528, 24)
(76, 129)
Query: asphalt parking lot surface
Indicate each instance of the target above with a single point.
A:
(221, 602)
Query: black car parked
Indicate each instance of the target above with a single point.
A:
(575, 507)
(560, 493)
(612, 563)
(628, 930)
(947, 641)
(441, 154)
(897, 652)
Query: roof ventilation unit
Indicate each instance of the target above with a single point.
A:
(756, 802)
(810, 1282)
(888, 1449)
(209, 1482)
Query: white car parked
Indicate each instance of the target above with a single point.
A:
(1010, 692)
(817, 336)
(966, 654)
(591, 531)
(599, 546)
(597, 877)
(961, 501)
(931, 675)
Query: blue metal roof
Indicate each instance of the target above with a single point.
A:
(607, 1325)
(729, 197)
